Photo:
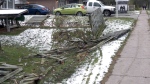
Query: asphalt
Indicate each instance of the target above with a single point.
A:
(133, 65)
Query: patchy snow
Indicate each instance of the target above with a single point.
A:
(93, 74)
(87, 73)
(32, 38)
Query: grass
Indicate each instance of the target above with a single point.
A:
(14, 31)
(12, 55)
(15, 55)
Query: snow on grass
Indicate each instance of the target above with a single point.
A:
(32, 38)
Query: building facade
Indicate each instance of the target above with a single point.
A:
(8, 4)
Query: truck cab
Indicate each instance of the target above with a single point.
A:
(92, 5)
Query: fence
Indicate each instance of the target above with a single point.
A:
(57, 21)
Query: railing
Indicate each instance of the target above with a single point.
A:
(59, 22)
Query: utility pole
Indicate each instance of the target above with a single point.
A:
(116, 8)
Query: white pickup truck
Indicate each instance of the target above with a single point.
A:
(92, 5)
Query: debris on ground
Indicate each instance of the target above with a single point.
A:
(7, 71)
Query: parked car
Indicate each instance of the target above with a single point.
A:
(71, 9)
(36, 9)
(92, 5)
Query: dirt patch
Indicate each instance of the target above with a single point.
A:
(13, 31)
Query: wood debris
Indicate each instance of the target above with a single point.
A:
(7, 71)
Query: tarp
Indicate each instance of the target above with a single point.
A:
(12, 11)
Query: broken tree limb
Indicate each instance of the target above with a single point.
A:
(114, 35)
(3, 72)
(61, 50)
(59, 58)
(100, 44)
(11, 66)
(102, 40)
(47, 70)
(3, 67)
(15, 81)
(10, 74)
(27, 79)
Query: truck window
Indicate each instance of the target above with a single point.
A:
(90, 3)
(97, 4)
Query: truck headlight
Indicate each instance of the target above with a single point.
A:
(112, 9)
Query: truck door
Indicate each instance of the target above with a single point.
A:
(90, 7)
(96, 5)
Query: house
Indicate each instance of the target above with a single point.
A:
(12, 4)
(8, 4)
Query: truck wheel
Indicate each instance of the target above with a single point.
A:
(57, 13)
(107, 13)
(79, 14)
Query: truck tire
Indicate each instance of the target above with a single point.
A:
(107, 13)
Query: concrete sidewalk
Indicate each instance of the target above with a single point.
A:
(133, 67)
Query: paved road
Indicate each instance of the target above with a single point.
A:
(133, 67)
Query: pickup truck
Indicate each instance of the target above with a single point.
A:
(92, 5)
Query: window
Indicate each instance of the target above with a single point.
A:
(33, 6)
(4, 4)
(90, 3)
(73, 6)
(67, 6)
(97, 4)
(26, 7)
(8, 4)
